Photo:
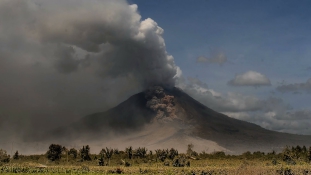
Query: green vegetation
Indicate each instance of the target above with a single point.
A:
(60, 160)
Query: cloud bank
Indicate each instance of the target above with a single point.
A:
(271, 113)
(250, 78)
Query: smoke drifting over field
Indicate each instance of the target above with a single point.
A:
(61, 60)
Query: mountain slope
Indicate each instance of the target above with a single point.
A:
(232, 133)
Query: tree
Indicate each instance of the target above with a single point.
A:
(85, 153)
(150, 154)
(309, 154)
(55, 151)
(129, 152)
(65, 152)
(173, 152)
(189, 149)
(141, 152)
(108, 153)
(16, 156)
(116, 151)
(73, 152)
(304, 149)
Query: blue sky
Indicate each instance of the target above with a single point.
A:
(268, 37)
(271, 37)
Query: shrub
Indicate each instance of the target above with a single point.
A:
(4, 157)
(162, 154)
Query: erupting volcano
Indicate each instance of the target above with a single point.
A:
(62, 60)
(162, 118)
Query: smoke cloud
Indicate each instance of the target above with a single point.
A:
(160, 103)
(61, 60)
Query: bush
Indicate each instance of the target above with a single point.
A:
(4, 157)
(162, 154)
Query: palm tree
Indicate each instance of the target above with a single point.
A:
(85, 153)
(141, 152)
(173, 152)
(129, 151)
(108, 152)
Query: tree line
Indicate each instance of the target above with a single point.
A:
(56, 152)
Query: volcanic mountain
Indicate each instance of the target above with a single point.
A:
(164, 118)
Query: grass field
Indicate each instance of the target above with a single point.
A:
(207, 166)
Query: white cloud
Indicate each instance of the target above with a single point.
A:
(250, 78)
(229, 102)
(219, 58)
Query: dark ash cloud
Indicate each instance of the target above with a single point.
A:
(61, 60)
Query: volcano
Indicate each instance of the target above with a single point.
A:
(164, 118)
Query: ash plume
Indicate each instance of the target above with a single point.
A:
(109, 34)
(61, 60)
(160, 103)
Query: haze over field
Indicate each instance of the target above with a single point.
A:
(63, 60)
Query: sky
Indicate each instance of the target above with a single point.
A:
(62, 60)
(217, 42)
